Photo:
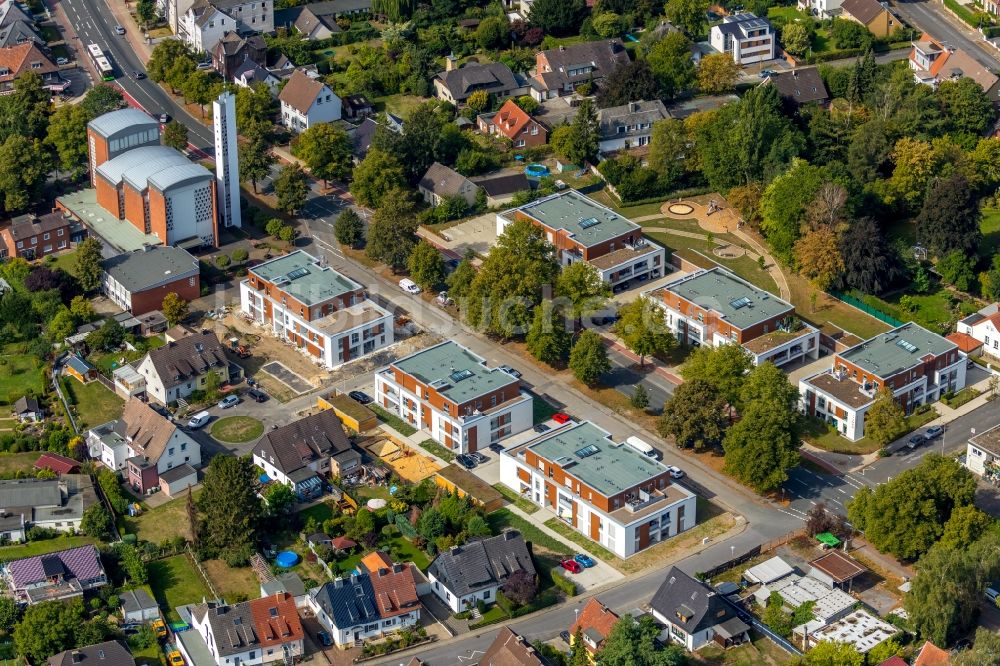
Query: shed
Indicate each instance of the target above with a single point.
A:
(455, 479)
(138, 606)
(353, 414)
(768, 572)
(77, 366)
(342, 543)
(152, 322)
(57, 463)
(27, 408)
(835, 569)
(178, 478)
(319, 539)
(287, 583)
(828, 539)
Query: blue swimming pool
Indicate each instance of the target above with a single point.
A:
(286, 559)
(536, 170)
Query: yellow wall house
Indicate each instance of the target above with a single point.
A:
(871, 14)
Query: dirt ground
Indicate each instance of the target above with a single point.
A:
(410, 465)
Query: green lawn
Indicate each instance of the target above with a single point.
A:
(65, 261)
(94, 403)
(787, 12)
(175, 581)
(933, 311)
(321, 512)
(12, 462)
(407, 552)
(521, 503)
(962, 397)
(641, 210)
(541, 410)
(393, 421)
(400, 105)
(438, 450)
(990, 227)
(823, 436)
(699, 251)
(8, 553)
(164, 522)
(502, 518)
(589, 545)
(237, 429)
(365, 493)
(20, 374)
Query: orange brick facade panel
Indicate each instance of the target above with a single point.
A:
(442, 404)
(107, 196)
(158, 215)
(152, 299)
(98, 149)
(135, 207)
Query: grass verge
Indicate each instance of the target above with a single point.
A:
(502, 518)
(237, 429)
(823, 436)
(515, 499)
(962, 397)
(393, 421)
(441, 452)
(592, 547)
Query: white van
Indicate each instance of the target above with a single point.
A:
(198, 420)
(409, 286)
(641, 446)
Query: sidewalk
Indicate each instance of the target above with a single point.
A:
(136, 39)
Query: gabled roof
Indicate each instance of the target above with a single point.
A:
(57, 463)
(26, 404)
(966, 343)
(80, 365)
(18, 31)
(108, 653)
(348, 601)
(181, 360)
(82, 563)
(395, 590)
(292, 447)
(509, 648)
(231, 43)
(301, 91)
(232, 627)
(362, 137)
(497, 186)
(865, 11)
(511, 119)
(250, 72)
(931, 655)
(595, 621)
(276, 619)
(376, 560)
(481, 564)
(600, 56)
(28, 225)
(841, 568)
(689, 604)
(17, 59)
(136, 600)
(443, 181)
(491, 77)
(146, 431)
(800, 85)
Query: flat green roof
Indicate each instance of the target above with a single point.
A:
(738, 302)
(897, 350)
(455, 372)
(303, 278)
(587, 452)
(119, 234)
(588, 222)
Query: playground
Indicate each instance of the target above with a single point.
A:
(404, 459)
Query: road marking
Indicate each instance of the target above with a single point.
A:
(813, 503)
(791, 514)
(842, 491)
(836, 502)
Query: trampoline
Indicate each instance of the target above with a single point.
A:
(536, 170)
(286, 559)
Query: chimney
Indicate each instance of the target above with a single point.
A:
(450, 63)
(77, 657)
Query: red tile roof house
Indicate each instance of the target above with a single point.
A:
(594, 622)
(57, 463)
(979, 333)
(17, 60)
(512, 122)
(560, 70)
(932, 62)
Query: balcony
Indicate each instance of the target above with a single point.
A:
(636, 502)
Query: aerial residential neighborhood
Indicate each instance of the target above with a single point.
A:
(499, 333)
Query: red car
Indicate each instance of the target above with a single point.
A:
(559, 417)
(571, 566)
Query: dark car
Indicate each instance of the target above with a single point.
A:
(139, 76)
(541, 427)
(361, 396)
(257, 395)
(479, 457)
(324, 638)
(496, 448)
(915, 441)
(465, 461)
(565, 636)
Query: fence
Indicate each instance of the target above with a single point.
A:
(756, 551)
(867, 309)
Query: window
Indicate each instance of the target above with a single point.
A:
(34, 240)
(170, 451)
(45, 237)
(486, 594)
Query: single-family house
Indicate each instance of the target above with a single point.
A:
(287, 582)
(28, 56)
(500, 190)
(594, 623)
(35, 236)
(560, 70)
(138, 606)
(61, 575)
(145, 446)
(27, 409)
(455, 84)
(931, 655)
(932, 62)
(57, 463)
(746, 37)
(629, 125)
(465, 575)
(872, 14)
(983, 329)
(318, 20)
(694, 614)
(181, 366)
(307, 101)
(248, 74)
(440, 183)
(138, 281)
(304, 453)
(800, 86)
(234, 50)
(982, 455)
(510, 648)
(108, 653)
(822, 9)
(55, 504)
(250, 633)
(205, 22)
(361, 138)
(357, 107)
(396, 596)
(80, 369)
(348, 610)
(514, 123)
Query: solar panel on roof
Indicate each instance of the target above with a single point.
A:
(589, 222)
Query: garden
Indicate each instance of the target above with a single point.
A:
(237, 429)
(21, 373)
(93, 403)
(175, 581)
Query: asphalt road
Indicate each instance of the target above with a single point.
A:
(932, 17)
(94, 23)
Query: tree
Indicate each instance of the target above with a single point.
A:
(578, 655)
(426, 265)
(949, 219)
(906, 515)
(132, 563)
(174, 308)
(582, 286)
(510, 281)
(817, 254)
(256, 159)
(956, 268)
(460, 280)
(67, 134)
(377, 175)
(630, 82)
(493, 32)
(431, 524)
(175, 135)
(478, 101)
(785, 202)
(671, 63)
(642, 326)
(943, 600)
(984, 650)
(291, 187)
(24, 165)
(102, 98)
(62, 325)
(694, 415)
(96, 522)
(966, 105)
(966, 525)
(723, 368)
(688, 15)
(989, 280)
(48, 628)
(634, 643)
(547, 339)
(348, 228)
(833, 653)
(558, 17)
(640, 397)
(108, 337)
(253, 107)
(608, 24)
(392, 232)
(870, 263)
(589, 359)
(198, 88)
(10, 613)
(327, 151)
(229, 510)
(885, 419)
(520, 587)
(583, 140)
(145, 10)
(762, 446)
(795, 38)
(280, 498)
(717, 74)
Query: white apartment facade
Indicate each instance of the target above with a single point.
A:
(984, 327)
(202, 23)
(307, 101)
(747, 38)
(982, 455)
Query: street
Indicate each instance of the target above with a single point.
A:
(932, 17)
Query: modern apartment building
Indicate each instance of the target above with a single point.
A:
(746, 37)
(605, 490)
(916, 365)
(583, 230)
(714, 307)
(450, 392)
(325, 314)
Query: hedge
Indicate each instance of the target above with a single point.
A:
(563, 583)
(962, 13)
(676, 194)
(840, 54)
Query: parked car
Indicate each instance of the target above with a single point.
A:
(992, 593)
(675, 472)
(361, 396)
(62, 61)
(465, 461)
(257, 395)
(571, 566)
(496, 448)
(409, 286)
(138, 76)
(175, 658)
(324, 638)
(915, 441)
(119, 30)
(585, 561)
(565, 636)
(511, 371)
(764, 73)
(159, 628)
(198, 420)
(479, 457)
(541, 427)
(165, 118)
(934, 432)
(229, 401)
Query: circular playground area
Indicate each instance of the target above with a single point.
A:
(680, 209)
(237, 429)
(729, 251)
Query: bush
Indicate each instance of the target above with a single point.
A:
(563, 583)
(222, 261)
(240, 254)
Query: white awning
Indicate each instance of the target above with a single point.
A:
(768, 571)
